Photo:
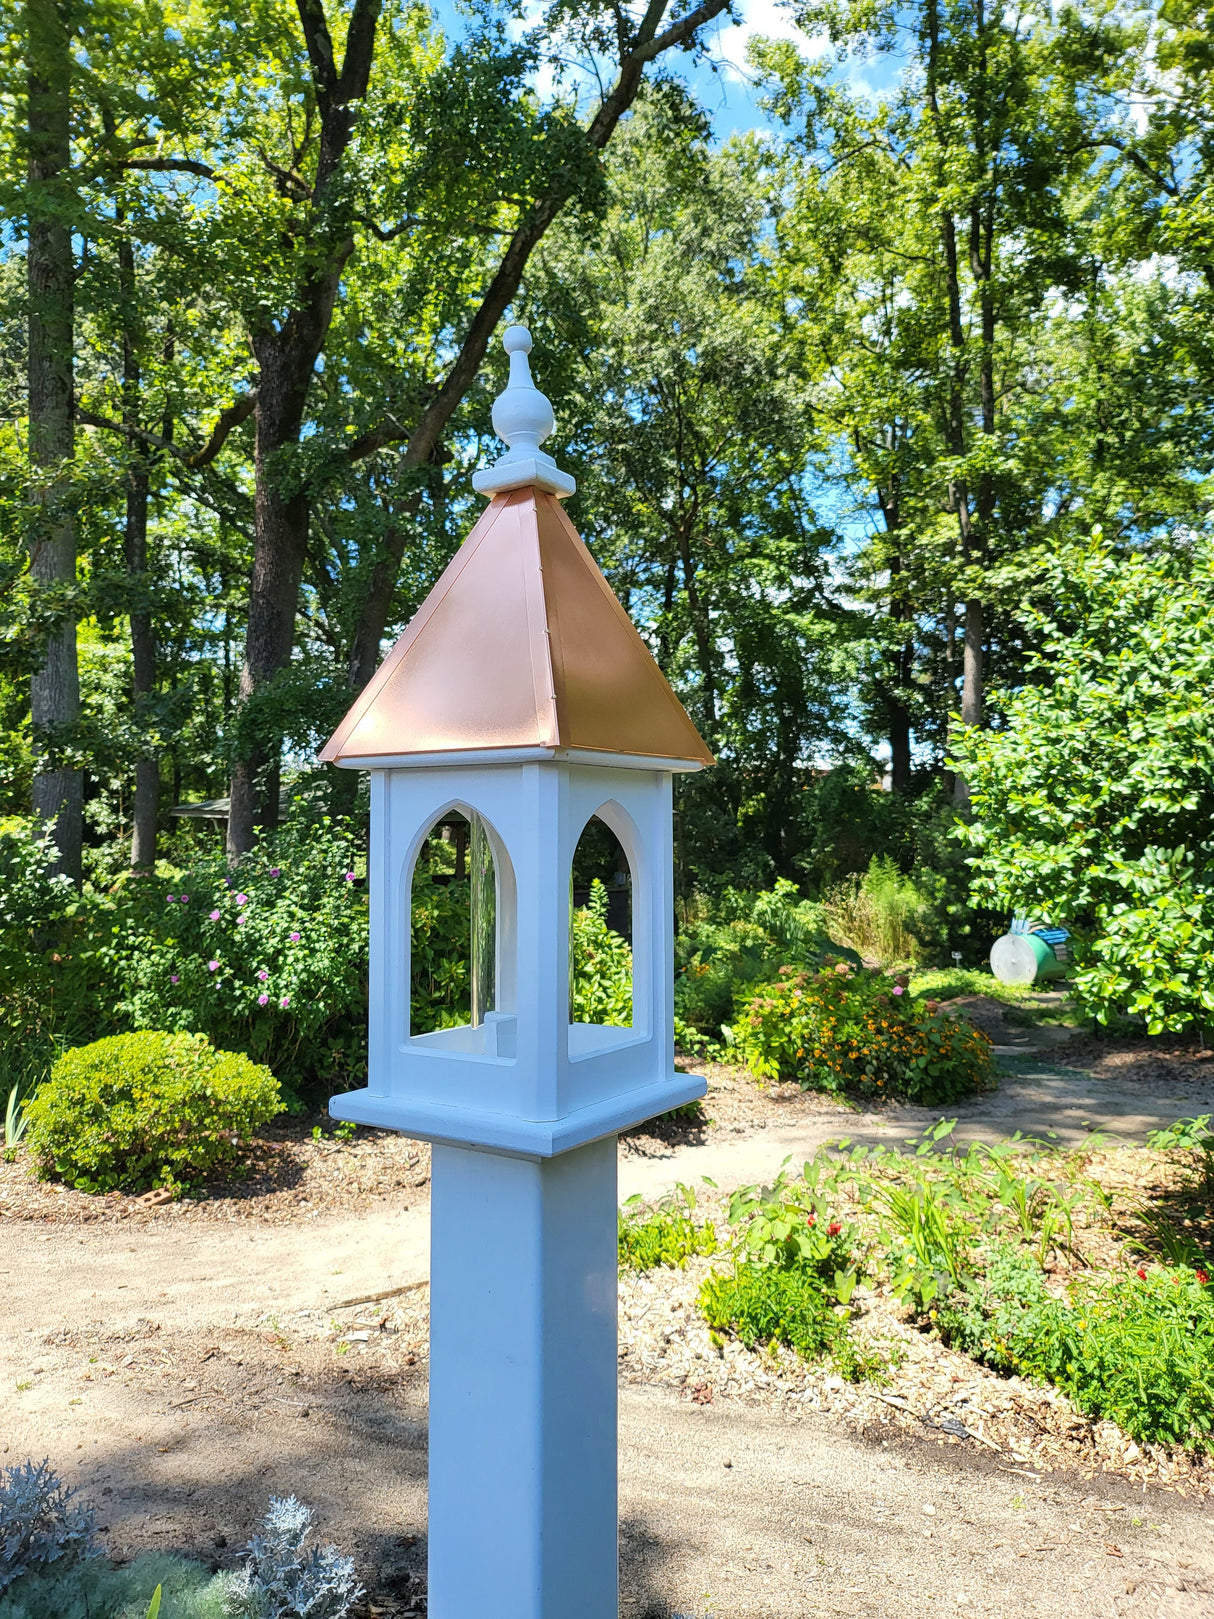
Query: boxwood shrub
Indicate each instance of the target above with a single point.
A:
(137, 1111)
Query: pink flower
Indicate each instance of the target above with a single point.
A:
(242, 899)
(294, 938)
(212, 966)
(262, 999)
(898, 990)
(241, 918)
(349, 876)
(275, 871)
(263, 975)
(173, 978)
(170, 899)
(214, 916)
(285, 1002)
(185, 899)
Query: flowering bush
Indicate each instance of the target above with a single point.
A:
(847, 1028)
(141, 1110)
(269, 958)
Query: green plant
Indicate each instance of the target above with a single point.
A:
(846, 1028)
(790, 1224)
(1192, 1136)
(1094, 797)
(881, 914)
(667, 1235)
(764, 1304)
(735, 939)
(600, 989)
(135, 1111)
(15, 1119)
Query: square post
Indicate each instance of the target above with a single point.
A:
(523, 1493)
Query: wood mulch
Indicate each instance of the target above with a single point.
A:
(288, 1175)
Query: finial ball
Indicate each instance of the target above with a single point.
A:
(516, 339)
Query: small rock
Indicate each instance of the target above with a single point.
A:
(929, 1510)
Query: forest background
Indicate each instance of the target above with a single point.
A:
(870, 408)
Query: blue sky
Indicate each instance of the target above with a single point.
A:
(723, 83)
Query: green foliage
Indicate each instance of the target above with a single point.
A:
(772, 1304)
(135, 1111)
(100, 1590)
(1135, 1349)
(667, 1235)
(851, 1029)
(601, 966)
(736, 938)
(790, 1224)
(881, 914)
(1094, 800)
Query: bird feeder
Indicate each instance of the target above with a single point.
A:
(521, 698)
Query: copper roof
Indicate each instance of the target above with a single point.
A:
(521, 644)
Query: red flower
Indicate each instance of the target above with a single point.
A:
(1203, 1276)
(833, 1229)
(1142, 1273)
(811, 1219)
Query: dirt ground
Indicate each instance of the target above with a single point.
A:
(248, 1356)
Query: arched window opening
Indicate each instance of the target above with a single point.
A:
(453, 927)
(600, 930)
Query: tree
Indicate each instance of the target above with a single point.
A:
(690, 436)
(58, 791)
(1093, 801)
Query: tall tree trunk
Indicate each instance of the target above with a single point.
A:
(286, 359)
(58, 791)
(135, 548)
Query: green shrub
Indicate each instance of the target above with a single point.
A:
(136, 1111)
(881, 914)
(736, 939)
(848, 1029)
(667, 1235)
(1137, 1349)
(601, 977)
(767, 1304)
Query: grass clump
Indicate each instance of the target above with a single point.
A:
(668, 1235)
(137, 1111)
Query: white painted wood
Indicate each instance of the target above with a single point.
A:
(523, 417)
(523, 1496)
(531, 1083)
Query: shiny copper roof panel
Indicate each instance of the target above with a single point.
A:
(521, 643)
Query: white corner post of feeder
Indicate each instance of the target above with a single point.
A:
(522, 699)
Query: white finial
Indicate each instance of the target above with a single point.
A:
(524, 419)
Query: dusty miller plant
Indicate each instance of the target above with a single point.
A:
(41, 1522)
(285, 1579)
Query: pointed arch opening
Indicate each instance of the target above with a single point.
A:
(460, 957)
(601, 986)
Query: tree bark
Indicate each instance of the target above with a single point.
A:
(135, 556)
(58, 790)
(286, 354)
